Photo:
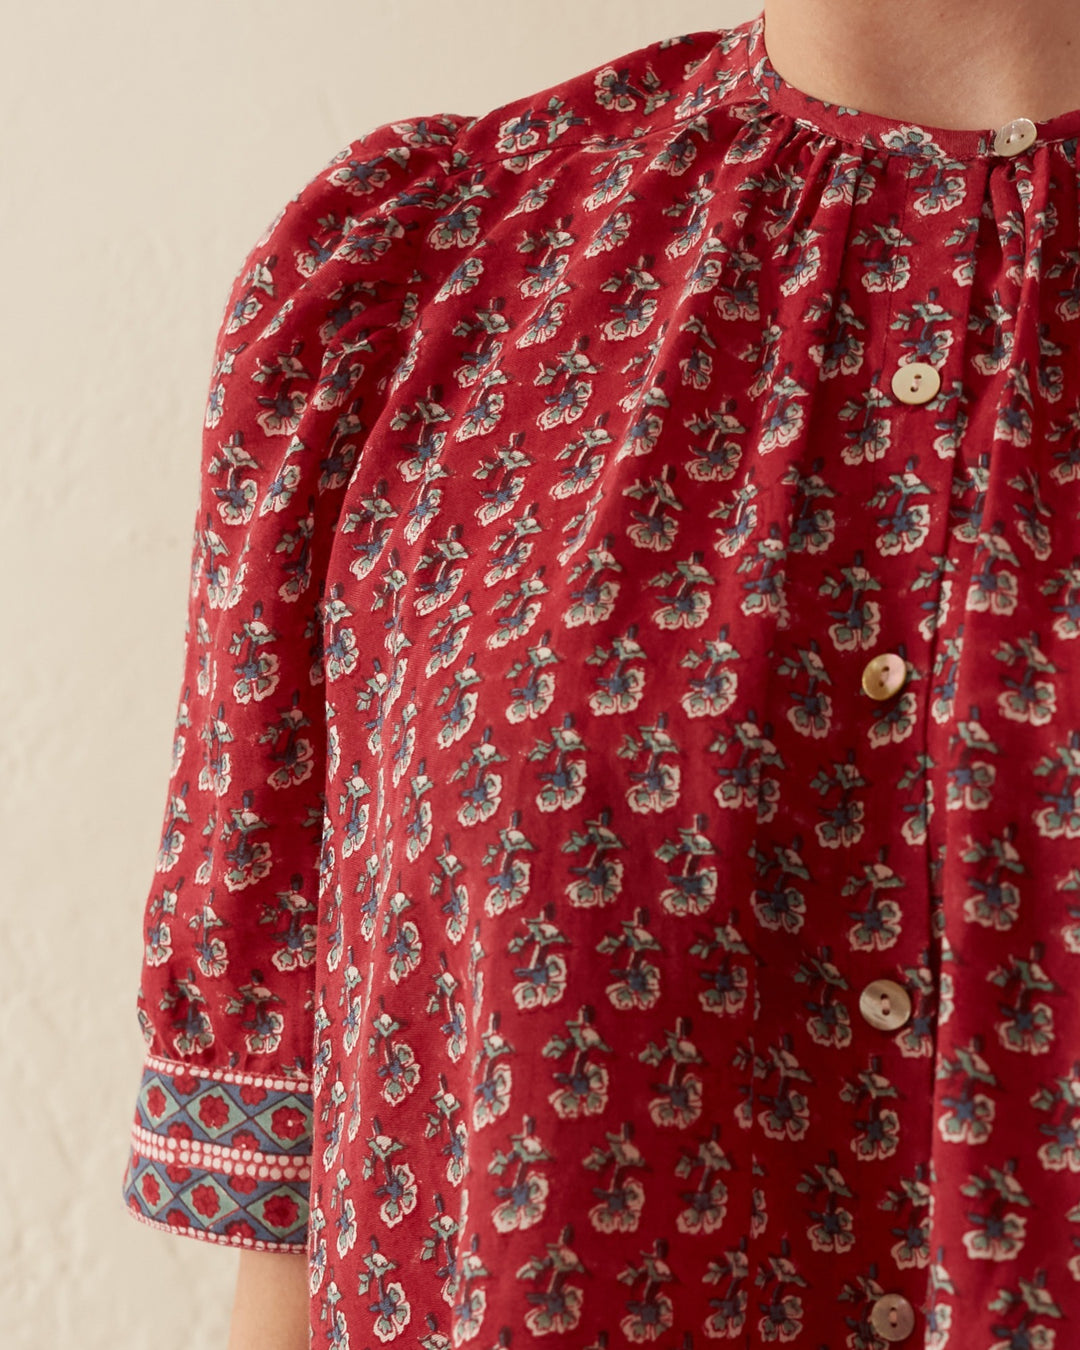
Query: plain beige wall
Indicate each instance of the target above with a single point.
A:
(144, 148)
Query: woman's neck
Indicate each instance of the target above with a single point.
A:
(961, 64)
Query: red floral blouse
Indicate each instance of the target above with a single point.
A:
(620, 875)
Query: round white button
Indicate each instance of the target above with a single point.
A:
(884, 675)
(892, 1317)
(1015, 137)
(917, 382)
(885, 1004)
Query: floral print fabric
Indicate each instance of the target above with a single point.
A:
(531, 847)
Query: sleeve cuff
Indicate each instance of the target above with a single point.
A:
(221, 1156)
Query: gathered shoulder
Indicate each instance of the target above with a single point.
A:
(649, 90)
(405, 186)
(358, 217)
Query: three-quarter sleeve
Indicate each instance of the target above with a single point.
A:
(315, 321)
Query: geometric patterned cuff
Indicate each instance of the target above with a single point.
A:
(221, 1156)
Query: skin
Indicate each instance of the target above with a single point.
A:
(270, 1307)
(959, 64)
(962, 64)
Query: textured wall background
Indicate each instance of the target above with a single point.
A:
(144, 149)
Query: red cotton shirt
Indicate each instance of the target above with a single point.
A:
(620, 876)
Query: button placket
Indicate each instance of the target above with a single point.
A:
(885, 1004)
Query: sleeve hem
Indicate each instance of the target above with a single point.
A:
(221, 1155)
(222, 1239)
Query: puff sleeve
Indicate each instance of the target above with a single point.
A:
(315, 322)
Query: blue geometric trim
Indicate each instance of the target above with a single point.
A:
(221, 1156)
